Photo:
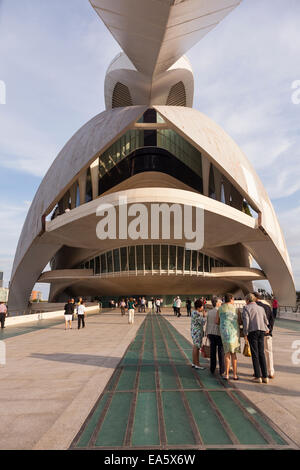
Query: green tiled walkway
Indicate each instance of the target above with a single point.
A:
(156, 400)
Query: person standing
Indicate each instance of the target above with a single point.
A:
(143, 305)
(123, 305)
(188, 304)
(227, 318)
(275, 307)
(69, 312)
(81, 311)
(174, 306)
(158, 310)
(214, 336)
(178, 305)
(268, 339)
(131, 309)
(198, 321)
(3, 314)
(255, 324)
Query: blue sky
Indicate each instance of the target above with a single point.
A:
(53, 59)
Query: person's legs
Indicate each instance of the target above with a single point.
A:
(213, 353)
(253, 342)
(269, 355)
(220, 355)
(274, 312)
(2, 320)
(79, 321)
(234, 364)
(196, 356)
(227, 364)
(261, 354)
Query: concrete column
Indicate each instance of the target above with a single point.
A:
(82, 187)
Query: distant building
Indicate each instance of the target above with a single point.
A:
(4, 294)
(36, 296)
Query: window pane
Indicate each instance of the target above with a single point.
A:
(116, 261)
(180, 258)
(156, 257)
(200, 262)
(131, 251)
(97, 269)
(124, 263)
(140, 257)
(103, 264)
(206, 264)
(92, 264)
(194, 260)
(164, 257)
(172, 257)
(87, 265)
(148, 257)
(187, 260)
(109, 262)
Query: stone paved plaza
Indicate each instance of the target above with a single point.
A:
(52, 389)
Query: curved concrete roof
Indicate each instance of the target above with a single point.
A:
(96, 136)
(154, 34)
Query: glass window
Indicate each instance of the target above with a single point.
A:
(103, 263)
(148, 257)
(110, 262)
(131, 253)
(77, 196)
(200, 262)
(172, 260)
(187, 263)
(206, 264)
(116, 261)
(124, 261)
(140, 257)
(156, 257)
(180, 258)
(92, 264)
(87, 265)
(89, 190)
(97, 266)
(194, 260)
(164, 257)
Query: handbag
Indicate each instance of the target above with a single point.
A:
(205, 349)
(247, 350)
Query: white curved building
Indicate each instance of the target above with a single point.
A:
(152, 147)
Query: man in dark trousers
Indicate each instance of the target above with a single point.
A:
(268, 336)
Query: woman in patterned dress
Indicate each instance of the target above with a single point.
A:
(197, 331)
(227, 318)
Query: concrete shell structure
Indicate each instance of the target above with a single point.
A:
(153, 152)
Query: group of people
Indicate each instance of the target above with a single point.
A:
(224, 325)
(73, 307)
(131, 305)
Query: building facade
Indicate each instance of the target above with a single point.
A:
(150, 147)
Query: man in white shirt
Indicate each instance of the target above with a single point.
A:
(178, 305)
(81, 309)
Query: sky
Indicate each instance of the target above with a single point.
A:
(53, 60)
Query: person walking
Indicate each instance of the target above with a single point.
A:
(143, 305)
(123, 306)
(174, 306)
(227, 318)
(81, 312)
(3, 314)
(214, 336)
(131, 309)
(275, 307)
(178, 305)
(158, 310)
(69, 312)
(188, 304)
(198, 321)
(268, 339)
(255, 324)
